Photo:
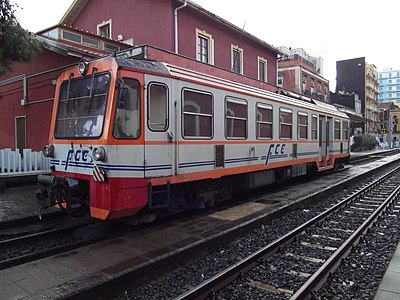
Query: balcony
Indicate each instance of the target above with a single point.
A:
(370, 86)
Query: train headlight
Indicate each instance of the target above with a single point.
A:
(82, 68)
(48, 151)
(99, 154)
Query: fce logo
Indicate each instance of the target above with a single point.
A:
(275, 149)
(78, 156)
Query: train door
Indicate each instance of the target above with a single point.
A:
(128, 152)
(159, 137)
(322, 141)
(329, 138)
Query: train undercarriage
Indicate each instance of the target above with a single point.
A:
(73, 196)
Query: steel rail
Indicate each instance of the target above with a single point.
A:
(30, 220)
(316, 281)
(40, 237)
(210, 287)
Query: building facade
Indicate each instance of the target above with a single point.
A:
(302, 74)
(182, 27)
(389, 86)
(394, 124)
(26, 100)
(358, 76)
(350, 104)
(350, 100)
(211, 43)
(386, 124)
(27, 93)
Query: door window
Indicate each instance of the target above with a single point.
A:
(127, 113)
(158, 107)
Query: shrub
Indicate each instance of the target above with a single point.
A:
(363, 142)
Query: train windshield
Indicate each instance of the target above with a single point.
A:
(81, 106)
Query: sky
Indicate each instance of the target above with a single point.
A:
(334, 30)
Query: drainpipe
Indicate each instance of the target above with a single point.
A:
(176, 24)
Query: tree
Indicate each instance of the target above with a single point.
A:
(16, 44)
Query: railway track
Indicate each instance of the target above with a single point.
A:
(34, 241)
(137, 279)
(296, 265)
(30, 221)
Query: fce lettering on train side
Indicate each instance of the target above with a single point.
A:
(275, 149)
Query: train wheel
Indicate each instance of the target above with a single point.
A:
(336, 165)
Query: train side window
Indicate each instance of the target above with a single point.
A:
(302, 125)
(285, 123)
(314, 127)
(235, 118)
(157, 113)
(345, 130)
(197, 114)
(127, 113)
(337, 129)
(264, 114)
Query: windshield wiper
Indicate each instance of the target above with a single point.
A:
(69, 85)
(94, 69)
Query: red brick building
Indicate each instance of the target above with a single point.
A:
(27, 93)
(26, 100)
(302, 74)
(178, 26)
(92, 29)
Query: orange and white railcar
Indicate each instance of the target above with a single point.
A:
(136, 136)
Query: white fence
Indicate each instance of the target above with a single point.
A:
(11, 163)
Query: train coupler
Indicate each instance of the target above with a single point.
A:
(44, 190)
(66, 193)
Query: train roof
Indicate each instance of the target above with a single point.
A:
(142, 64)
(166, 69)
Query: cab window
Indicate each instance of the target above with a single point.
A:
(127, 113)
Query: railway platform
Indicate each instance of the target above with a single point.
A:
(55, 279)
(18, 199)
(389, 288)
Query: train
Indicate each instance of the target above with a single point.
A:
(133, 138)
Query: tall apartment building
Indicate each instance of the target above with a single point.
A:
(357, 76)
(389, 86)
(303, 74)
